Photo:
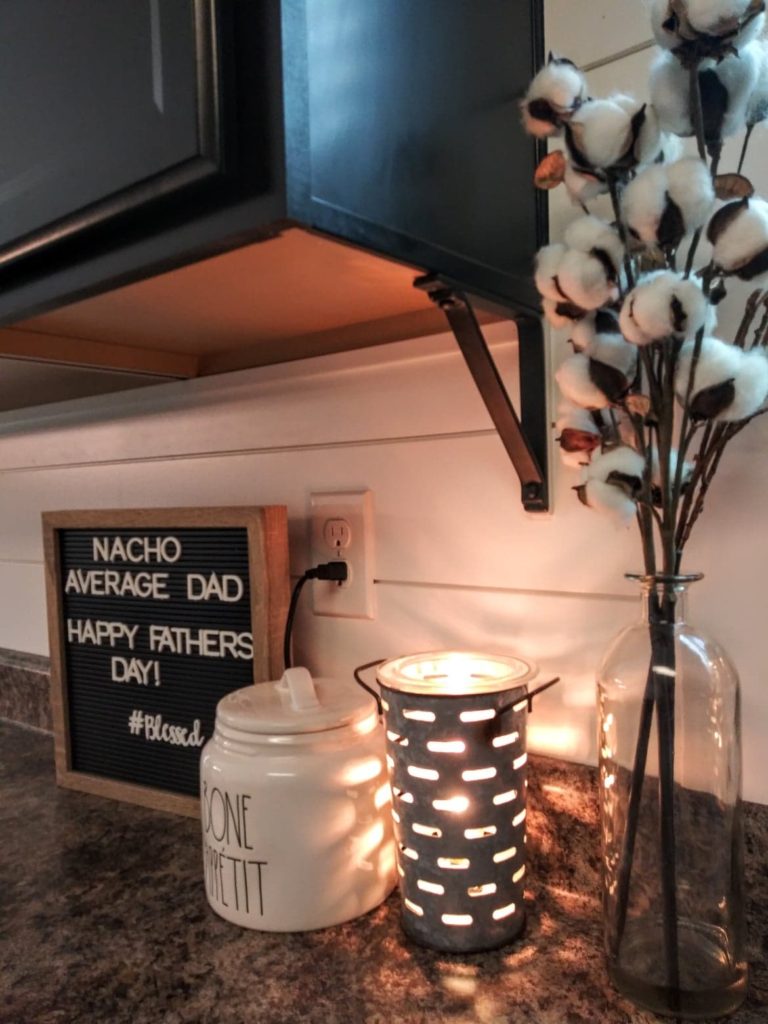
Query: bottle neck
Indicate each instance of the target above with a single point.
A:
(664, 599)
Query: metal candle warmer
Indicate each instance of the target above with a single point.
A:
(456, 753)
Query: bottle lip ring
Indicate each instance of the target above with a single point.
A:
(664, 578)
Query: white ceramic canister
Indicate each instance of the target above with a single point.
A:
(295, 804)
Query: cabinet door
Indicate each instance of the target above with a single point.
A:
(106, 104)
(404, 132)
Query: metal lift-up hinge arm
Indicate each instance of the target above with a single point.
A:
(526, 441)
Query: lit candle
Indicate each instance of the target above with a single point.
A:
(455, 726)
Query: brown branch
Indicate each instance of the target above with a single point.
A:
(750, 312)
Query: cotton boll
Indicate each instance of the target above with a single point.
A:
(599, 134)
(650, 139)
(665, 36)
(590, 234)
(706, 27)
(739, 236)
(690, 188)
(598, 335)
(575, 417)
(586, 280)
(612, 482)
(757, 107)
(582, 187)
(739, 76)
(609, 500)
(723, 18)
(576, 384)
(554, 94)
(613, 350)
(586, 331)
(548, 261)
(670, 92)
(672, 148)
(656, 468)
(664, 305)
(729, 385)
(560, 315)
(669, 89)
(623, 460)
(644, 201)
(713, 388)
(666, 202)
(751, 386)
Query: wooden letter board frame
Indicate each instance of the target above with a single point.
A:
(269, 587)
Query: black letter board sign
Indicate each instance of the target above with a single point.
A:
(154, 615)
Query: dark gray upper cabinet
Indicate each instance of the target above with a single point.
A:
(105, 107)
(140, 135)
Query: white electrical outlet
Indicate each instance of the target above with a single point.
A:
(342, 530)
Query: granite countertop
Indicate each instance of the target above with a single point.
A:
(103, 918)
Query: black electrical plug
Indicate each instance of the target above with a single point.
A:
(334, 572)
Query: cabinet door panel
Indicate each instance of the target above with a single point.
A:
(107, 104)
(404, 127)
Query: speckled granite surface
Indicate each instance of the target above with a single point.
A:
(25, 688)
(103, 919)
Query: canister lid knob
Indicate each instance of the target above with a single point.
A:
(299, 685)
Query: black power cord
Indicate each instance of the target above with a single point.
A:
(334, 571)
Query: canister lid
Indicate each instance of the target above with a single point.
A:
(297, 703)
(455, 673)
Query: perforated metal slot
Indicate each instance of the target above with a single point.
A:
(453, 863)
(502, 855)
(414, 907)
(408, 852)
(433, 887)
(519, 818)
(488, 889)
(506, 797)
(519, 874)
(453, 804)
(446, 746)
(507, 739)
(484, 832)
(478, 774)
(520, 761)
(481, 715)
(423, 773)
(427, 830)
(457, 920)
(416, 715)
(502, 912)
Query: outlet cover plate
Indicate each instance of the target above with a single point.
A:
(354, 599)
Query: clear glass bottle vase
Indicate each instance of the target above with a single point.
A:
(670, 794)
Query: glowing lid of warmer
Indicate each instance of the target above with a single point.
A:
(454, 673)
